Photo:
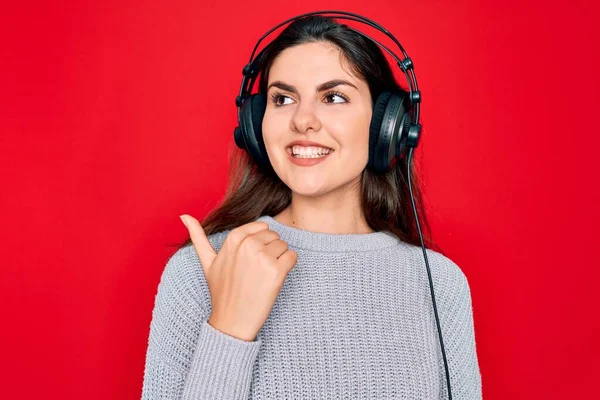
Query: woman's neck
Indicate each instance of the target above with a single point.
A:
(338, 218)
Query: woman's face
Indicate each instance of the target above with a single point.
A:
(336, 117)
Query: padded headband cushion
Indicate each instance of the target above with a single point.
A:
(254, 110)
(376, 121)
(259, 106)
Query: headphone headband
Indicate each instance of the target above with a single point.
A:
(250, 70)
(394, 125)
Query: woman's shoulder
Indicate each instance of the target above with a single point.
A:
(446, 272)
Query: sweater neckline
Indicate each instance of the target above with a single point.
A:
(330, 242)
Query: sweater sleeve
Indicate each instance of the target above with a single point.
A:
(186, 357)
(456, 319)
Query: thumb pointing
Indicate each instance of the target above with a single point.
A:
(205, 251)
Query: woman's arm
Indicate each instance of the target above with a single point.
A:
(454, 303)
(186, 357)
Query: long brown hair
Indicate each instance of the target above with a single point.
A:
(253, 192)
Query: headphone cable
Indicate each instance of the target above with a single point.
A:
(437, 320)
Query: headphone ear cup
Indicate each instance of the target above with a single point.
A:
(388, 131)
(375, 127)
(251, 116)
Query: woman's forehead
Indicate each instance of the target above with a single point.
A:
(311, 64)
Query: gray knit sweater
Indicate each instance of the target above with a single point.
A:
(354, 320)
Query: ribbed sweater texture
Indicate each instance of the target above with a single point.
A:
(353, 320)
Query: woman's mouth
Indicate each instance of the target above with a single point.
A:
(307, 156)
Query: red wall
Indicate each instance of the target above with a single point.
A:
(116, 118)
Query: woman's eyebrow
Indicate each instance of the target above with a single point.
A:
(322, 87)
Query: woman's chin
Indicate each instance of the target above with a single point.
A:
(305, 190)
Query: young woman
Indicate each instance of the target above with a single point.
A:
(308, 281)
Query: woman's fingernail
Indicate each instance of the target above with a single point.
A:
(183, 220)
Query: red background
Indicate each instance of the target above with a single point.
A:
(116, 118)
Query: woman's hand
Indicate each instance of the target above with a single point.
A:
(245, 277)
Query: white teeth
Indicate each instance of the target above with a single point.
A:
(309, 151)
(309, 156)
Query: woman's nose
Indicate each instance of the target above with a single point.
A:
(305, 117)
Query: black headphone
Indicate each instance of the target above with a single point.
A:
(394, 129)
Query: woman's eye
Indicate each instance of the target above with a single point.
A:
(332, 95)
(330, 98)
(276, 97)
(280, 97)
